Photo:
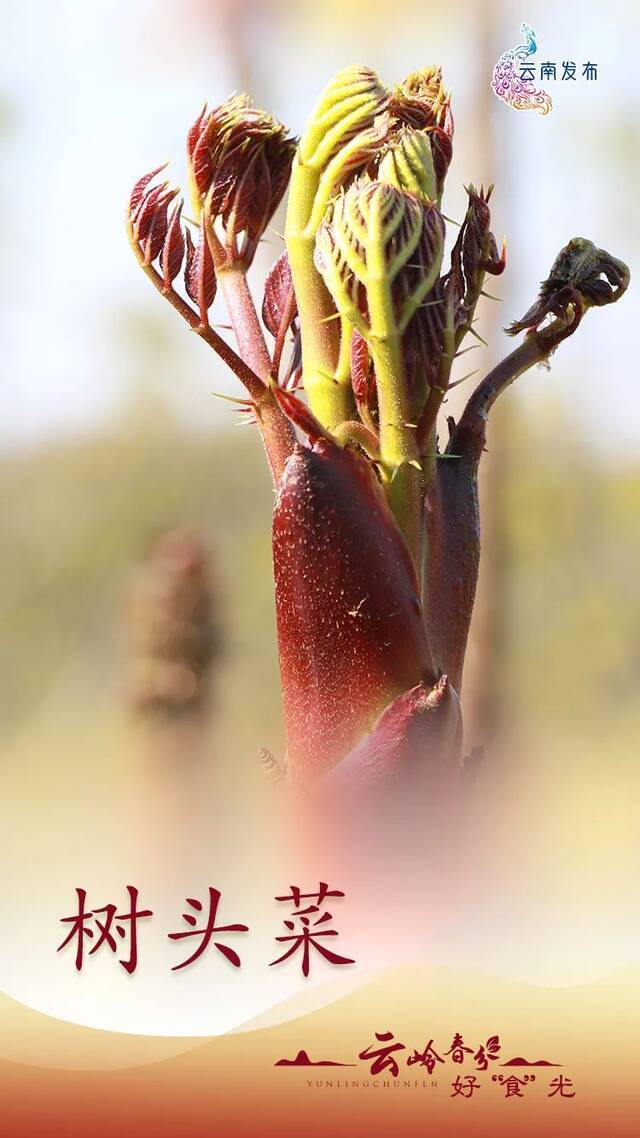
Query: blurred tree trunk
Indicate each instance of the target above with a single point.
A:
(173, 629)
(483, 701)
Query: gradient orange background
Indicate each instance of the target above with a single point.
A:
(229, 1085)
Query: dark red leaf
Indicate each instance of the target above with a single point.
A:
(442, 151)
(201, 159)
(174, 247)
(153, 245)
(145, 213)
(195, 132)
(280, 166)
(360, 368)
(138, 190)
(199, 274)
(277, 291)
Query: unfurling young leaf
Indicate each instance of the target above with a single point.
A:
(199, 273)
(239, 165)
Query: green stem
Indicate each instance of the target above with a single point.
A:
(397, 435)
(400, 466)
(330, 398)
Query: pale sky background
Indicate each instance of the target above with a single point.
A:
(97, 93)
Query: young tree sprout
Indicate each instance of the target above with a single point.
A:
(376, 529)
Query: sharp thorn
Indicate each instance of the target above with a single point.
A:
(457, 382)
(233, 399)
(478, 336)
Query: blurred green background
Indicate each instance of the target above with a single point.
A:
(78, 513)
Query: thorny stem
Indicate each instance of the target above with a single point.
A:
(426, 432)
(244, 320)
(534, 349)
(452, 518)
(276, 430)
(232, 279)
(252, 346)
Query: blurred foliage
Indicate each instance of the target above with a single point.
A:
(573, 654)
(76, 517)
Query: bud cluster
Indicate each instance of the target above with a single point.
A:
(239, 166)
(346, 373)
(159, 237)
(378, 239)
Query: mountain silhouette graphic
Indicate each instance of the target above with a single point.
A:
(520, 1062)
(302, 1060)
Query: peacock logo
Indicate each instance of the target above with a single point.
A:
(512, 79)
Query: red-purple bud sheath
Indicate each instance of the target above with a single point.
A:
(350, 628)
(416, 744)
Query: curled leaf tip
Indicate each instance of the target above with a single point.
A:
(582, 276)
(422, 100)
(407, 163)
(348, 105)
(138, 190)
